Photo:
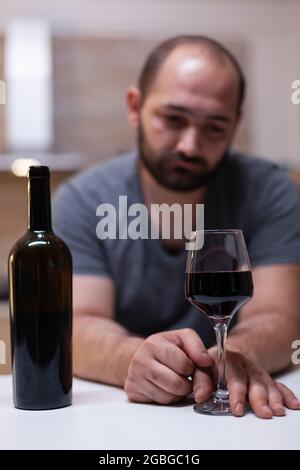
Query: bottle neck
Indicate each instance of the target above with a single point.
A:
(39, 204)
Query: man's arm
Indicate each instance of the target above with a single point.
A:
(270, 322)
(102, 347)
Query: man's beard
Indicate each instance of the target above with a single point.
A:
(159, 164)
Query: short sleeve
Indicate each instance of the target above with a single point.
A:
(74, 221)
(274, 220)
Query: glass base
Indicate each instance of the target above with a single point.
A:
(216, 407)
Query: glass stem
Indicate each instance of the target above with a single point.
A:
(221, 334)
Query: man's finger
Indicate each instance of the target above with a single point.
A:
(173, 357)
(168, 380)
(191, 343)
(258, 397)
(139, 397)
(275, 400)
(202, 385)
(289, 398)
(157, 394)
(237, 385)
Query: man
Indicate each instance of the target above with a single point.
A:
(132, 324)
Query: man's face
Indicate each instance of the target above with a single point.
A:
(188, 119)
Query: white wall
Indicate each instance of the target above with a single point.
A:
(268, 28)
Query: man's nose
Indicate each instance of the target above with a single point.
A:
(189, 142)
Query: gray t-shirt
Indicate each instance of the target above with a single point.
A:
(247, 193)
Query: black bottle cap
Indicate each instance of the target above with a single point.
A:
(38, 172)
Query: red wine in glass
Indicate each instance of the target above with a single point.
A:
(219, 294)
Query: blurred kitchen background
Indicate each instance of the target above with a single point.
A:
(67, 64)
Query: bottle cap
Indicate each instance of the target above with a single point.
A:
(38, 171)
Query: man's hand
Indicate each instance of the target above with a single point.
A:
(160, 367)
(246, 379)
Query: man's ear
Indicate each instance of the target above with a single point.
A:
(133, 101)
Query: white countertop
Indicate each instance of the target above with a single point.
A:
(102, 418)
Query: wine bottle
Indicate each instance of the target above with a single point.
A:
(40, 292)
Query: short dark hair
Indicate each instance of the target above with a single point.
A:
(159, 54)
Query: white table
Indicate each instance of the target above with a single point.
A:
(102, 418)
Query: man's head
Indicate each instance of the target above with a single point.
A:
(186, 109)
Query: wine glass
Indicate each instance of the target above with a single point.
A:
(218, 282)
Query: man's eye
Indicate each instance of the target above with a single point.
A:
(174, 120)
(215, 129)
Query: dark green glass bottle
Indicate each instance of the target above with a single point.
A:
(40, 281)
